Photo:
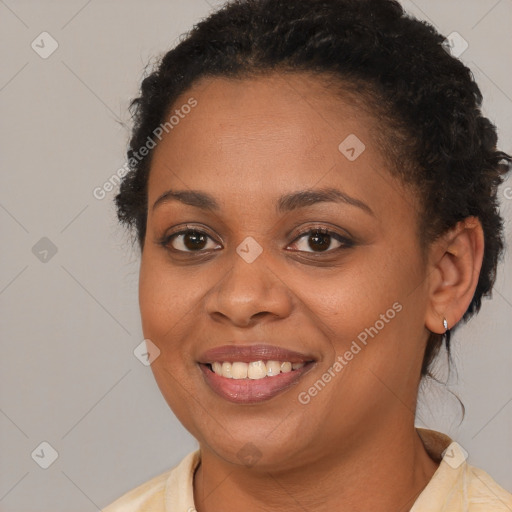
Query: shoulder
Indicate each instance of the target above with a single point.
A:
(148, 496)
(462, 489)
(484, 494)
(457, 486)
(157, 494)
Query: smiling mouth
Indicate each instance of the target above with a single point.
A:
(254, 370)
(250, 383)
(244, 374)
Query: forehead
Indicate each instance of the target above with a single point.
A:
(266, 135)
(291, 107)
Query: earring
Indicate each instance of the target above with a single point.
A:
(445, 324)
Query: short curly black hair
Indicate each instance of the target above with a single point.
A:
(436, 138)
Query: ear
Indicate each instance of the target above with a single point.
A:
(455, 260)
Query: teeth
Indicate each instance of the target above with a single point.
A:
(239, 370)
(226, 370)
(257, 370)
(286, 367)
(273, 368)
(254, 370)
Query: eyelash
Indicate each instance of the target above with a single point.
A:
(344, 241)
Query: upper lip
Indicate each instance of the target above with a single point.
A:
(248, 353)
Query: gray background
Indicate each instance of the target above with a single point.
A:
(69, 324)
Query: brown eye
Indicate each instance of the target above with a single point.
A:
(320, 240)
(190, 240)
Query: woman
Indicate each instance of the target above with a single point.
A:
(313, 189)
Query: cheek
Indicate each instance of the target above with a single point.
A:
(167, 303)
(369, 312)
(348, 299)
(167, 314)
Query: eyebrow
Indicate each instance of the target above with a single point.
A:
(286, 203)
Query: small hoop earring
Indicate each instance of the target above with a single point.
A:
(445, 324)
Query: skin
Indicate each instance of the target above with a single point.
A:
(353, 446)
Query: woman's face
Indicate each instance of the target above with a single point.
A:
(293, 244)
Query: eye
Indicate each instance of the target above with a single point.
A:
(316, 240)
(321, 240)
(189, 240)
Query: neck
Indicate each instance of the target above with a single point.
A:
(386, 473)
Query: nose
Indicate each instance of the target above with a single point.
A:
(249, 293)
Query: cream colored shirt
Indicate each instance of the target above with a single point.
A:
(455, 486)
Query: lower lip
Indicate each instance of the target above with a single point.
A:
(248, 391)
